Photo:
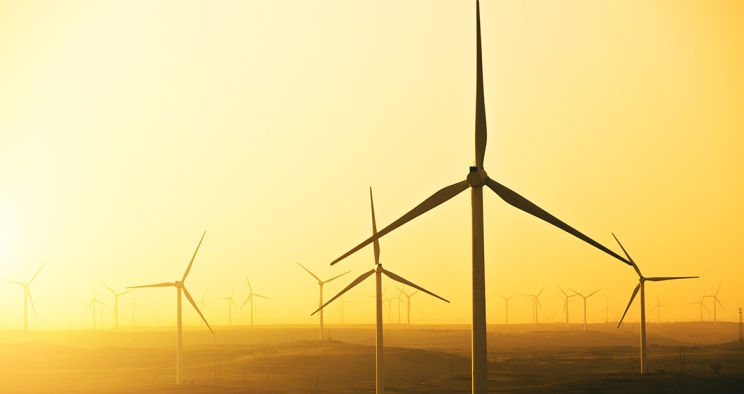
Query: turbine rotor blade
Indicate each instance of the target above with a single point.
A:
(409, 283)
(635, 267)
(481, 135)
(559, 288)
(638, 287)
(28, 291)
(249, 284)
(376, 242)
(91, 303)
(113, 292)
(164, 284)
(575, 291)
(659, 279)
(719, 288)
(512, 198)
(246, 301)
(511, 296)
(338, 276)
(593, 293)
(308, 271)
(14, 281)
(719, 302)
(42, 266)
(347, 288)
(258, 295)
(191, 300)
(435, 200)
(185, 274)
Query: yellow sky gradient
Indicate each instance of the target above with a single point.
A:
(129, 128)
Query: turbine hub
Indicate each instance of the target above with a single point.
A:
(378, 268)
(477, 176)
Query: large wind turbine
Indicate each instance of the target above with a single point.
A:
(642, 287)
(181, 288)
(476, 179)
(715, 300)
(584, 297)
(506, 300)
(93, 304)
(320, 302)
(26, 298)
(378, 271)
(251, 298)
(116, 304)
(230, 304)
(566, 300)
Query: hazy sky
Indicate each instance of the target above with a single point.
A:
(128, 128)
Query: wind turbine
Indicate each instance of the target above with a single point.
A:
(181, 288)
(378, 271)
(535, 304)
(702, 305)
(133, 303)
(475, 180)
(607, 312)
(566, 300)
(642, 287)
(116, 304)
(341, 309)
(506, 300)
(230, 304)
(425, 315)
(26, 298)
(658, 307)
(715, 300)
(320, 302)
(408, 304)
(93, 304)
(582, 296)
(251, 298)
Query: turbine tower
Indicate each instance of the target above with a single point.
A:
(251, 298)
(658, 307)
(408, 305)
(116, 304)
(230, 304)
(93, 304)
(320, 302)
(506, 301)
(566, 299)
(582, 296)
(476, 179)
(26, 298)
(378, 271)
(181, 289)
(715, 300)
(642, 287)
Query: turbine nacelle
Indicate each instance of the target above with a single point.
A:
(477, 176)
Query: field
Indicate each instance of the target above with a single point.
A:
(421, 359)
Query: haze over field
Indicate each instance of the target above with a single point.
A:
(127, 129)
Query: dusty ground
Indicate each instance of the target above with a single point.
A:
(423, 359)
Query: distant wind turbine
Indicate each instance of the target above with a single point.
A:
(230, 304)
(408, 305)
(378, 271)
(702, 305)
(203, 305)
(181, 288)
(607, 312)
(658, 307)
(506, 301)
(133, 303)
(584, 297)
(642, 287)
(26, 298)
(116, 304)
(320, 302)
(535, 304)
(715, 300)
(251, 298)
(93, 304)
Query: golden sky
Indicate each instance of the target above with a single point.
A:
(129, 128)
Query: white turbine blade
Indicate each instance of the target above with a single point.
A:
(659, 279)
(128, 291)
(191, 300)
(233, 302)
(435, 200)
(338, 276)
(559, 288)
(308, 271)
(511, 296)
(258, 295)
(14, 281)
(592, 294)
(719, 302)
(100, 302)
(541, 290)
(233, 292)
(206, 307)
(42, 266)
(249, 284)
(501, 297)
(91, 303)
(664, 306)
(635, 267)
(28, 291)
(374, 229)
(185, 274)
(517, 201)
(113, 292)
(164, 284)
(719, 288)
(575, 291)
(638, 287)
(653, 308)
(246, 301)
(347, 288)
(406, 282)
(706, 308)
